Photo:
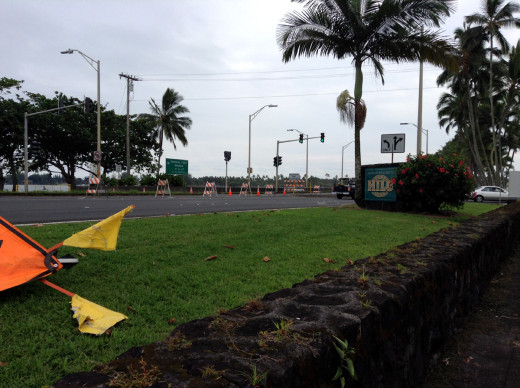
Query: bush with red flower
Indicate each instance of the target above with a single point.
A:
(428, 183)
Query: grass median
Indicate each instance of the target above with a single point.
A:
(159, 278)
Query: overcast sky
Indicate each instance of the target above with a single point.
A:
(222, 57)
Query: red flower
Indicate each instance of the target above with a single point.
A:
(416, 176)
(401, 182)
(393, 181)
(461, 163)
(420, 190)
(442, 169)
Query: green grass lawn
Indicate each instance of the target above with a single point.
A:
(158, 272)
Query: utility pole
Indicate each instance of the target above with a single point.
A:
(129, 83)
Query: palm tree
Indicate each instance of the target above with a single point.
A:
(368, 31)
(168, 122)
(496, 14)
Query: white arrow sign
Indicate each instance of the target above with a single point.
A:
(392, 143)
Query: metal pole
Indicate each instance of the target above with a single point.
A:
(99, 115)
(419, 114)
(307, 164)
(249, 159)
(226, 177)
(276, 179)
(128, 126)
(342, 153)
(25, 152)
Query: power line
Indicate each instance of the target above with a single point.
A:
(295, 95)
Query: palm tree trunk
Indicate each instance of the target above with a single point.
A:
(160, 152)
(358, 92)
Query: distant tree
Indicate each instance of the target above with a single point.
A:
(496, 15)
(168, 121)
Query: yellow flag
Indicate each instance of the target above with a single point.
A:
(93, 318)
(102, 236)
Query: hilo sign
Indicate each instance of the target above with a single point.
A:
(378, 184)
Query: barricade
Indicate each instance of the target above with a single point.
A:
(163, 187)
(268, 189)
(293, 185)
(316, 189)
(209, 189)
(244, 189)
(93, 185)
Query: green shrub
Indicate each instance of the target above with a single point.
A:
(148, 180)
(128, 180)
(428, 182)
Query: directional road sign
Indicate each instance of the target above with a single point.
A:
(392, 143)
(176, 167)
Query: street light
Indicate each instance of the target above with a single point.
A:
(251, 118)
(425, 131)
(343, 149)
(91, 62)
(306, 157)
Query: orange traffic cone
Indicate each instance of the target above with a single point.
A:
(191, 190)
(230, 193)
(284, 192)
(258, 191)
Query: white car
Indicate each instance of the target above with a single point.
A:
(490, 193)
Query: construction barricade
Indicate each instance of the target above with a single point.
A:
(244, 189)
(294, 185)
(93, 186)
(163, 187)
(209, 189)
(316, 189)
(268, 189)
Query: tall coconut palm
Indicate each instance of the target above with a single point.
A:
(168, 122)
(496, 15)
(368, 31)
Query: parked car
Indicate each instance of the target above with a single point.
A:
(490, 193)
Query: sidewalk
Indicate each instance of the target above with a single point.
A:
(486, 352)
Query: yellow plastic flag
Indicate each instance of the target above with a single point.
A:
(102, 236)
(93, 318)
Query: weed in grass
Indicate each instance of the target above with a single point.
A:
(255, 378)
(366, 303)
(137, 377)
(376, 281)
(421, 263)
(254, 305)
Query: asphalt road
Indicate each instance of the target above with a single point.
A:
(46, 209)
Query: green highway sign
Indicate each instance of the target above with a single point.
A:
(176, 167)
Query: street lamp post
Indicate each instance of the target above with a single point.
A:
(251, 118)
(342, 152)
(425, 131)
(97, 68)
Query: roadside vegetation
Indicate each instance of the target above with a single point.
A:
(159, 278)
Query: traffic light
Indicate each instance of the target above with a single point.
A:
(275, 161)
(227, 156)
(301, 138)
(34, 148)
(322, 138)
(279, 160)
(89, 105)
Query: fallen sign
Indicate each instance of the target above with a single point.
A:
(23, 259)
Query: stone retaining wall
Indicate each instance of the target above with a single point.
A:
(396, 309)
